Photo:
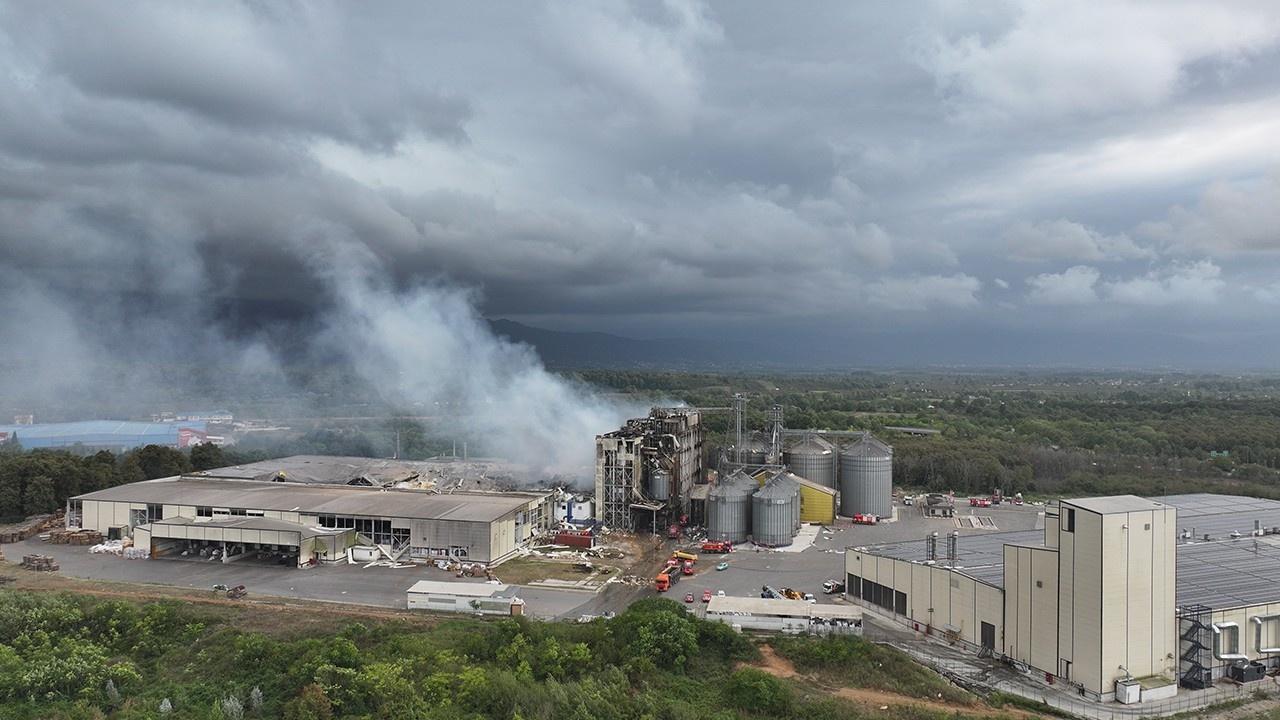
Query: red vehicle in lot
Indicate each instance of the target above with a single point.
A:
(688, 597)
(860, 519)
(717, 546)
(706, 596)
(687, 568)
(979, 502)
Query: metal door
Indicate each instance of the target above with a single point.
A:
(988, 636)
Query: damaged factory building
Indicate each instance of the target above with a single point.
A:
(305, 510)
(646, 471)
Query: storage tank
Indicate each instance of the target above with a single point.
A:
(659, 484)
(775, 508)
(866, 478)
(729, 508)
(813, 459)
(754, 450)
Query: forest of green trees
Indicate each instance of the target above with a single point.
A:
(69, 657)
(1044, 435)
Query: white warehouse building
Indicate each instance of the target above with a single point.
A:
(313, 522)
(1122, 597)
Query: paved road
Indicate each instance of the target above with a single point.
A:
(385, 587)
(376, 586)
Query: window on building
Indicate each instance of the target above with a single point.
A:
(155, 512)
(255, 513)
(1070, 525)
(204, 511)
(237, 512)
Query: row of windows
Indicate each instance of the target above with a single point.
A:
(208, 512)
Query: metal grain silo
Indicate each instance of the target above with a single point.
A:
(774, 510)
(659, 484)
(866, 478)
(813, 459)
(729, 508)
(754, 450)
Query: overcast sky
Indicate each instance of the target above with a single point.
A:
(1065, 175)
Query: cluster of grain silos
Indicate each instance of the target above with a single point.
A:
(775, 511)
(866, 478)
(729, 507)
(813, 459)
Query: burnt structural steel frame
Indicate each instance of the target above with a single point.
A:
(619, 482)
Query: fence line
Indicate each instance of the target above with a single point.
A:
(969, 675)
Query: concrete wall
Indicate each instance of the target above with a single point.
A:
(1116, 609)
(937, 598)
(1031, 606)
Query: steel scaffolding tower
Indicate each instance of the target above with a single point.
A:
(619, 481)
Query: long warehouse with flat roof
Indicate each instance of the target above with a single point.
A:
(485, 527)
(1117, 589)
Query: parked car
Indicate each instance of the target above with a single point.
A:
(706, 596)
(688, 597)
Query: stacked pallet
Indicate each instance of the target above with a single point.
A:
(42, 563)
(75, 537)
(27, 528)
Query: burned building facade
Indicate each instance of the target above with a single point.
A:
(646, 470)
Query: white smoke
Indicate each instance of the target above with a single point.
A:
(427, 349)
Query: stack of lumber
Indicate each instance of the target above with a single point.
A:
(39, 562)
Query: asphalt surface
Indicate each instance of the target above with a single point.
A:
(748, 570)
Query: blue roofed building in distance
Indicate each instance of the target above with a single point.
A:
(114, 435)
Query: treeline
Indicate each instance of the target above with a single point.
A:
(40, 481)
(65, 657)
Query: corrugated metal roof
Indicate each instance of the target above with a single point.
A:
(250, 523)
(462, 589)
(805, 482)
(813, 446)
(779, 607)
(868, 445)
(317, 499)
(736, 484)
(1115, 504)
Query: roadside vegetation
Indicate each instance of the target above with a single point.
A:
(72, 657)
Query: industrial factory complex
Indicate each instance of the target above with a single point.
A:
(1118, 598)
(650, 475)
(308, 509)
(1122, 597)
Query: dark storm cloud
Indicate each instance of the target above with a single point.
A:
(669, 168)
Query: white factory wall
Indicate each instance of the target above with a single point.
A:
(1031, 606)
(938, 599)
(483, 541)
(1116, 604)
(1251, 643)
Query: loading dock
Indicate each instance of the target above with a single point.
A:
(244, 538)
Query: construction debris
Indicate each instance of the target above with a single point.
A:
(42, 563)
(112, 547)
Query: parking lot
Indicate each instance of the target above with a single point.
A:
(748, 570)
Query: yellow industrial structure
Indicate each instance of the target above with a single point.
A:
(817, 502)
